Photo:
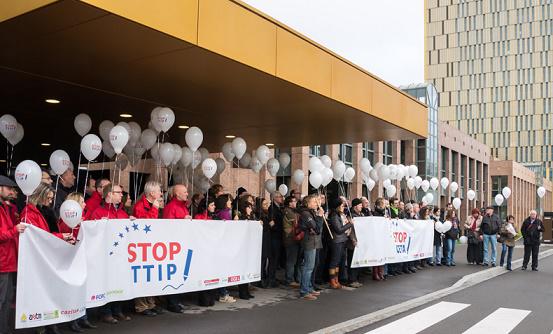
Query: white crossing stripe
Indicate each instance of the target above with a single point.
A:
(502, 320)
(422, 319)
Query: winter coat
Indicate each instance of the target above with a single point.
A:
(507, 238)
(93, 202)
(61, 194)
(531, 231)
(8, 242)
(31, 215)
(437, 235)
(143, 209)
(338, 227)
(109, 211)
(289, 220)
(277, 216)
(490, 224)
(312, 225)
(175, 209)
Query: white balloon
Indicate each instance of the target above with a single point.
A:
(166, 153)
(374, 174)
(186, 157)
(8, 126)
(209, 168)
(370, 184)
(410, 183)
(273, 166)
(338, 170)
(453, 187)
(391, 190)
(386, 183)
(413, 170)
(456, 203)
(326, 161)
(82, 124)
(166, 119)
(328, 175)
(194, 138)
(59, 161)
(256, 165)
(118, 138)
(177, 154)
(315, 164)
(19, 134)
(227, 152)
(91, 146)
(418, 182)
(204, 152)
(315, 179)
(196, 159)
(28, 176)
(365, 165)
(245, 160)
(239, 147)
(284, 160)
(263, 154)
(443, 227)
(384, 172)
(270, 185)
(136, 132)
(425, 185)
(71, 213)
(444, 182)
(298, 176)
(434, 183)
(506, 192)
(104, 129)
(349, 174)
(221, 164)
(154, 151)
(429, 198)
(471, 194)
(154, 120)
(148, 138)
(107, 149)
(400, 172)
(541, 192)
(463, 239)
(499, 199)
(126, 126)
(283, 189)
(393, 172)
(153, 128)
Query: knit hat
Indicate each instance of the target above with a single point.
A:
(335, 203)
(356, 202)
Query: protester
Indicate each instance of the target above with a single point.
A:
(276, 215)
(490, 227)
(532, 227)
(353, 273)
(111, 207)
(289, 239)
(438, 239)
(507, 234)
(246, 213)
(379, 272)
(311, 223)
(262, 205)
(366, 207)
(451, 237)
(340, 226)
(176, 208)
(90, 187)
(46, 178)
(475, 247)
(95, 199)
(223, 209)
(63, 228)
(64, 188)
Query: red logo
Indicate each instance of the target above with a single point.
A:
(211, 281)
(233, 279)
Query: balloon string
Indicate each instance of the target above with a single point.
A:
(27, 203)
(7, 157)
(103, 159)
(55, 192)
(85, 178)
(11, 161)
(79, 172)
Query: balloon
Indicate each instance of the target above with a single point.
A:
(148, 138)
(328, 175)
(196, 159)
(28, 176)
(165, 119)
(425, 185)
(239, 147)
(386, 183)
(204, 152)
(349, 174)
(118, 137)
(8, 126)
(221, 164)
(393, 172)
(471, 194)
(326, 161)
(499, 199)
(71, 213)
(410, 183)
(434, 183)
(383, 172)
(390, 190)
(273, 166)
(315, 179)
(256, 165)
(463, 239)
(122, 162)
(82, 124)
(400, 172)
(413, 170)
(370, 183)
(315, 164)
(136, 132)
(506, 192)
(442, 227)
(453, 186)
(227, 151)
(456, 203)
(270, 185)
(91, 146)
(104, 129)
(194, 138)
(374, 174)
(541, 192)
(19, 134)
(59, 161)
(429, 198)
(186, 157)
(177, 154)
(365, 165)
(298, 176)
(263, 154)
(284, 160)
(154, 120)
(107, 149)
(154, 151)
(418, 182)
(245, 160)
(126, 126)
(444, 182)
(283, 189)
(338, 170)
(209, 168)
(166, 153)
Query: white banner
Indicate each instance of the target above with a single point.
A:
(382, 240)
(122, 259)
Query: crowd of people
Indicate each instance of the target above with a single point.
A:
(311, 238)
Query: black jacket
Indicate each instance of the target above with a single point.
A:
(338, 227)
(61, 194)
(379, 212)
(437, 235)
(276, 214)
(531, 231)
(490, 224)
(312, 225)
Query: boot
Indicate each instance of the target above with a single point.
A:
(333, 281)
(375, 273)
(338, 278)
(381, 272)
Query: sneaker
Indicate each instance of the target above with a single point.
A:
(534, 269)
(227, 299)
(355, 285)
(309, 297)
(175, 308)
(315, 293)
(431, 264)
(294, 285)
(523, 268)
(493, 264)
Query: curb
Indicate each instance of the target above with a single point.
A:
(463, 283)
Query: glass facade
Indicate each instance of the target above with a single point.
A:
(498, 183)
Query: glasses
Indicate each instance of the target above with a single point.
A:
(117, 192)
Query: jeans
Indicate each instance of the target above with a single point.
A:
(7, 292)
(291, 261)
(307, 267)
(438, 254)
(489, 239)
(450, 251)
(509, 251)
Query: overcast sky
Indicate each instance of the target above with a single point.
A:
(385, 37)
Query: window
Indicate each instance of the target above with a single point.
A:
(444, 162)
(387, 152)
(317, 150)
(498, 183)
(471, 174)
(346, 154)
(463, 175)
(368, 151)
(485, 182)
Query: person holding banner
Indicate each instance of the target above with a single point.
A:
(339, 225)
(437, 260)
(111, 208)
(176, 208)
(223, 211)
(206, 211)
(379, 272)
(353, 273)
(67, 181)
(95, 199)
(246, 213)
(262, 205)
(311, 222)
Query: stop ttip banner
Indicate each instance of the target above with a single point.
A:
(382, 240)
(122, 259)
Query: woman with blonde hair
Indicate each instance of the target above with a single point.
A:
(77, 197)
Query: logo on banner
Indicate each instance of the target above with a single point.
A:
(31, 317)
(402, 240)
(51, 315)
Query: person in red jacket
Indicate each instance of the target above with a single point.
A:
(63, 228)
(176, 208)
(95, 199)
(206, 212)
(9, 233)
(111, 207)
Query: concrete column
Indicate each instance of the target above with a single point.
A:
(300, 160)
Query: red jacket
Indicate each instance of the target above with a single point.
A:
(109, 211)
(11, 210)
(31, 215)
(175, 209)
(66, 229)
(143, 209)
(93, 202)
(203, 216)
(8, 243)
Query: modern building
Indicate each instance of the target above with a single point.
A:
(490, 61)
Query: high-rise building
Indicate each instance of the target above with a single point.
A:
(490, 61)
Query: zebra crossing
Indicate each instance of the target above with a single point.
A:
(502, 320)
